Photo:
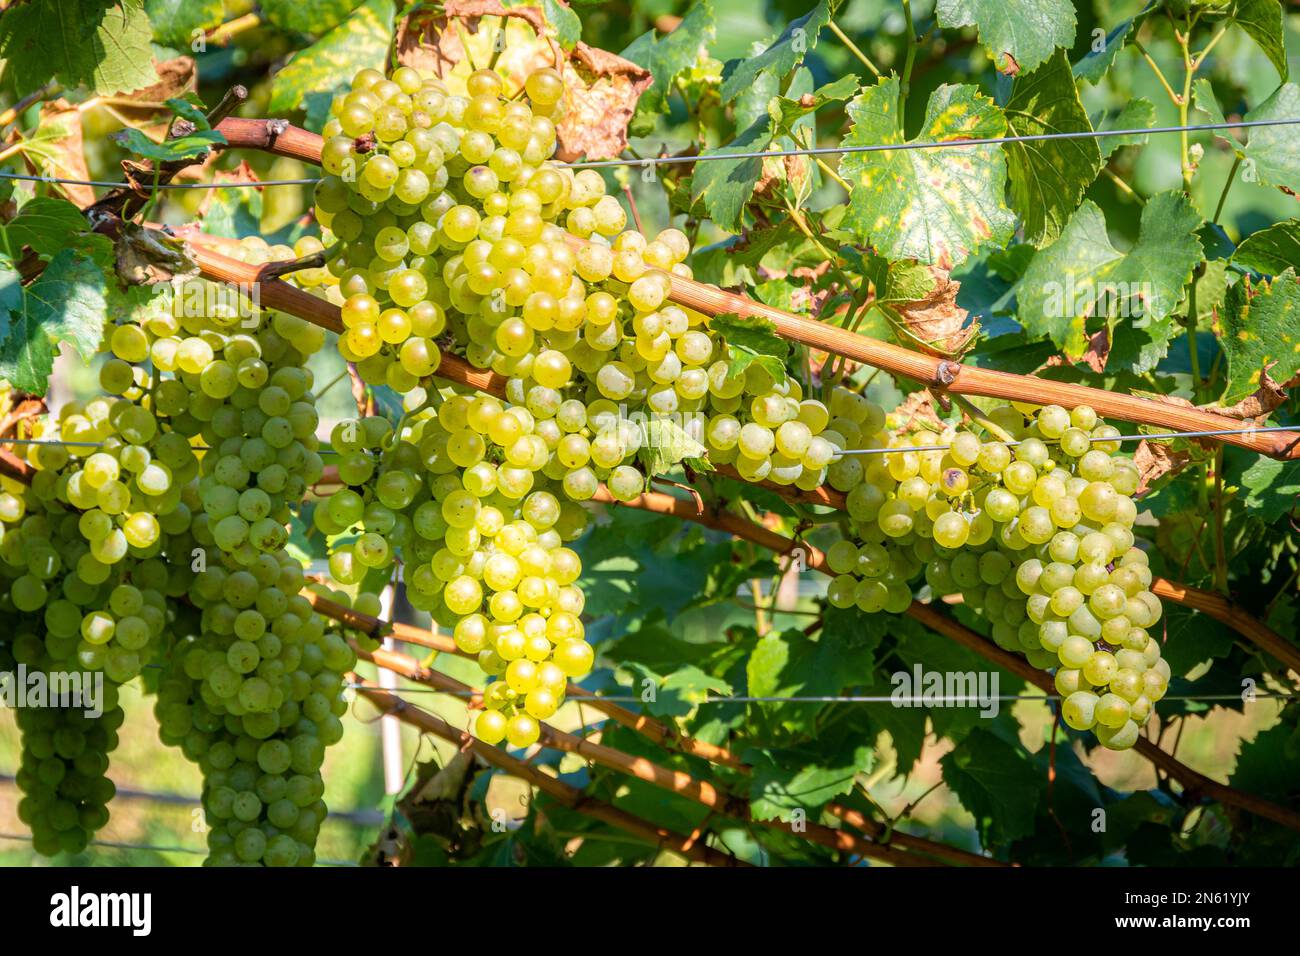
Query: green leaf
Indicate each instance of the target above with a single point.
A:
(169, 150)
(69, 301)
(1273, 487)
(1101, 55)
(933, 205)
(316, 17)
(724, 186)
(749, 340)
(1190, 638)
(666, 445)
(790, 664)
(1271, 251)
(1267, 765)
(1261, 330)
(1139, 113)
(314, 74)
(783, 55)
(45, 224)
(191, 111)
(786, 112)
(666, 57)
(1203, 99)
(565, 23)
(1262, 21)
(1048, 177)
(1080, 272)
(1273, 152)
(680, 692)
(996, 782)
(178, 22)
(787, 781)
(96, 43)
(1029, 30)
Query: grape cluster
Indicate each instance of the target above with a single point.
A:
(62, 773)
(253, 695)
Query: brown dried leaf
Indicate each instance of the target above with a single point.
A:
(1260, 403)
(1154, 461)
(1098, 350)
(66, 155)
(601, 89)
(176, 77)
(937, 323)
(243, 173)
(1009, 65)
(600, 95)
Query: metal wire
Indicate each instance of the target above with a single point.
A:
(1051, 441)
(825, 699)
(709, 157)
(193, 851)
(848, 451)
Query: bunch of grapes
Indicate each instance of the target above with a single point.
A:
(256, 711)
(482, 542)
(62, 772)
(1035, 532)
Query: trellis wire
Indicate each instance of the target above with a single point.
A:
(1092, 438)
(848, 451)
(193, 851)
(913, 700)
(708, 157)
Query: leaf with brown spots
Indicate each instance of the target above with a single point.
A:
(600, 95)
(937, 206)
(1261, 335)
(57, 150)
(1154, 461)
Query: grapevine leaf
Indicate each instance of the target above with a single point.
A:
(1261, 330)
(936, 206)
(69, 301)
(787, 781)
(1190, 638)
(782, 55)
(1273, 152)
(786, 112)
(680, 692)
(791, 665)
(189, 109)
(1262, 21)
(1203, 99)
(665, 445)
(317, 17)
(1138, 113)
(567, 25)
(996, 782)
(725, 186)
(45, 224)
(1271, 251)
(1027, 30)
(666, 57)
(182, 147)
(314, 74)
(1048, 177)
(97, 43)
(1267, 765)
(1101, 56)
(178, 23)
(1071, 279)
(750, 340)
(26, 354)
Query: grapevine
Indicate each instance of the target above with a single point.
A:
(603, 428)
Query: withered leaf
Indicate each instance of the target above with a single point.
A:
(1154, 461)
(936, 323)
